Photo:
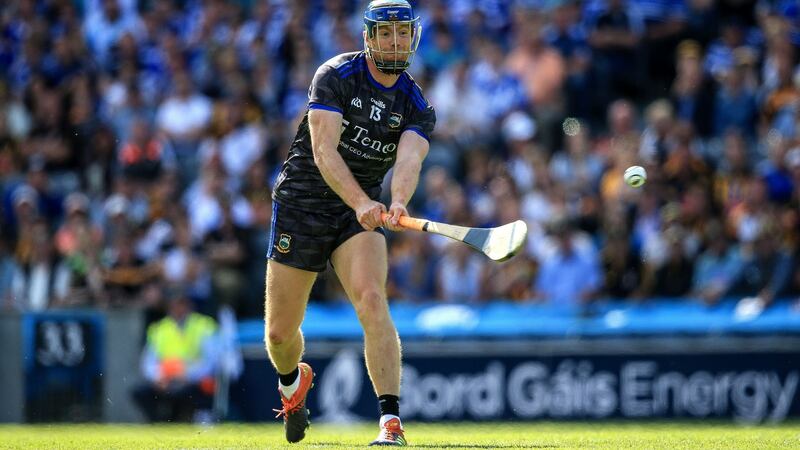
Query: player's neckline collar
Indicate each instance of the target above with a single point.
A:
(378, 84)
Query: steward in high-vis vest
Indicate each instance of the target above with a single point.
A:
(178, 363)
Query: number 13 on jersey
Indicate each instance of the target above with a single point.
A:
(375, 113)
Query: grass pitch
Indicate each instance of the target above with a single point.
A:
(516, 435)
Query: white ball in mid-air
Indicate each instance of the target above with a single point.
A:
(635, 176)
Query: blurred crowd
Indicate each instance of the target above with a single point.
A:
(139, 140)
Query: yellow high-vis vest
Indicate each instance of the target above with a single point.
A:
(170, 341)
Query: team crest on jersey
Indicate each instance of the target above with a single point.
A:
(284, 243)
(356, 102)
(394, 119)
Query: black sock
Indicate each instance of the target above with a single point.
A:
(289, 378)
(389, 404)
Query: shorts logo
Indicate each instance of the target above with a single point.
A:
(284, 242)
(394, 120)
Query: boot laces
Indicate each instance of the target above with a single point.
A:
(289, 407)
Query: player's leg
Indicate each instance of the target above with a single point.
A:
(361, 265)
(298, 251)
(287, 294)
(286, 297)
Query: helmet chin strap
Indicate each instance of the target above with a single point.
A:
(388, 67)
(390, 71)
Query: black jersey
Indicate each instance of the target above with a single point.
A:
(373, 118)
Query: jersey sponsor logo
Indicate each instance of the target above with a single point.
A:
(356, 102)
(362, 137)
(284, 243)
(395, 119)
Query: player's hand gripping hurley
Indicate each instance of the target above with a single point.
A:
(499, 243)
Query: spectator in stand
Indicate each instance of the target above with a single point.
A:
(717, 266)
(775, 171)
(203, 201)
(36, 190)
(693, 92)
(664, 24)
(460, 275)
(656, 142)
(183, 261)
(461, 125)
(569, 277)
(144, 157)
(178, 363)
(127, 276)
(510, 280)
(622, 266)
(443, 52)
(733, 172)
(8, 267)
(543, 72)
(26, 214)
(227, 251)
(577, 166)
(702, 21)
(720, 56)
(785, 93)
(684, 165)
(621, 125)
(498, 85)
(435, 182)
(518, 131)
(567, 34)
(614, 36)
(105, 25)
(672, 276)
(240, 145)
(116, 221)
(183, 117)
(735, 104)
(48, 141)
(766, 267)
(79, 244)
(42, 281)
(749, 216)
(412, 268)
(622, 154)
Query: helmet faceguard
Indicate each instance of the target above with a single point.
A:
(393, 20)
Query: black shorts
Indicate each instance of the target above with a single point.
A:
(306, 240)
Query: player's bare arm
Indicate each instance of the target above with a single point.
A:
(325, 128)
(411, 151)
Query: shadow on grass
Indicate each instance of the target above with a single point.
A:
(482, 446)
(337, 444)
